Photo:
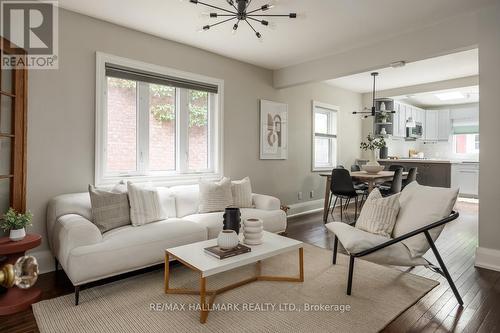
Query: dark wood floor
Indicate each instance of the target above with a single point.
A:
(436, 312)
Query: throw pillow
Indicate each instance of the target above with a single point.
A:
(379, 214)
(110, 210)
(167, 202)
(242, 193)
(215, 196)
(421, 206)
(144, 204)
(120, 187)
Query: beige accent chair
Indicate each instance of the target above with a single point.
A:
(423, 214)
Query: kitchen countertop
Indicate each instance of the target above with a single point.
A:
(428, 160)
(416, 160)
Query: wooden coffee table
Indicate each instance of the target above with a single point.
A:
(193, 256)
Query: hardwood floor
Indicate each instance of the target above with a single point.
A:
(438, 311)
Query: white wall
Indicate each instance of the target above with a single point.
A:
(62, 114)
(488, 253)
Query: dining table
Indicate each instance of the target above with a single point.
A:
(361, 176)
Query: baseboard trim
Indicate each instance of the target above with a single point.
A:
(45, 260)
(487, 258)
(304, 208)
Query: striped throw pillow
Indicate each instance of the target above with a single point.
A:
(144, 205)
(215, 196)
(242, 193)
(379, 214)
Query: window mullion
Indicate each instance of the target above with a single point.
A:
(183, 130)
(143, 128)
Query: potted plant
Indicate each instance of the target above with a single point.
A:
(373, 144)
(16, 224)
(384, 116)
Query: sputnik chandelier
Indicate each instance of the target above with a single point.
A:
(241, 12)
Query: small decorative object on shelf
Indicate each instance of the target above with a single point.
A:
(16, 224)
(383, 131)
(232, 219)
(382, 107)
(227, 240)
(23, 274)
(252, 231)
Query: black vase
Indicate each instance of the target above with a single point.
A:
(232, 219)
(384, 152)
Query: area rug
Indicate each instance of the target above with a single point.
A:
(319, 304)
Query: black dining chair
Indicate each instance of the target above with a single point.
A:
(342, 188)
(396, 184)
(361, 187)
(412, 176)
(394, 167)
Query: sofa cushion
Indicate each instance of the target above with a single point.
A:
(274, 220)
(242, 193)
(421, 206)
(215, 196)
(129, 248)
(186, 199)
(167, 202)
(355, 240)
(109, 210)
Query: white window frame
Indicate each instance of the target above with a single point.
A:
(325, 108)
(215, 135)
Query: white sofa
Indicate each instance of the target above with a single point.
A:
(86, 255)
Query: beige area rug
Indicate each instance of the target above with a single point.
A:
(379, 295)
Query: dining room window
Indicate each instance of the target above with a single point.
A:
(324, 136)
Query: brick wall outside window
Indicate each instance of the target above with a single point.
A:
(122, 135)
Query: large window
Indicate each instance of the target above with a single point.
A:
(466, 137)
(154, 126)
(466, 144)
(324, 136)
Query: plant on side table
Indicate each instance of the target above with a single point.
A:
(16, 223)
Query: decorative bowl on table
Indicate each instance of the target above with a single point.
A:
(372, 169)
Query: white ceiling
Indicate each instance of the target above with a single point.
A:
(443, 68)
(324, 27)
(429, 99)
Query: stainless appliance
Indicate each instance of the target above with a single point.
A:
(413, 133)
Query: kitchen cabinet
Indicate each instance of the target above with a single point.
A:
(444, 125)
(431, 127)
(399, 120)
(465, 176)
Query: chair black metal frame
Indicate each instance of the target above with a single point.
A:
(425, 230)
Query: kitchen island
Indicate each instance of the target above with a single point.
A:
(430, 172)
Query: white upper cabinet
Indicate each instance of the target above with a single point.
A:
(431, 125)
(444, 125)
(399, 120)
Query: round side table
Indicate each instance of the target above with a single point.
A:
(15, 299)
